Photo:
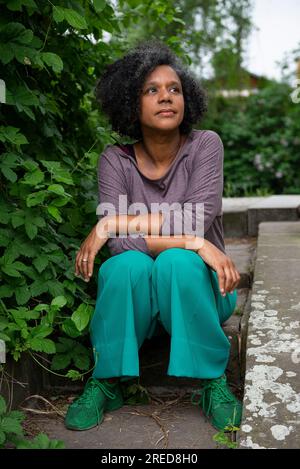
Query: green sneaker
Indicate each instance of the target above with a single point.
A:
(218, 403)
(97, 397)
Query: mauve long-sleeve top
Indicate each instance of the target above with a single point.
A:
(195, 176)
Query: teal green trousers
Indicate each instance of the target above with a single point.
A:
(176, 288)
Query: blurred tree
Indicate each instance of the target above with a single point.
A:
(209, 34)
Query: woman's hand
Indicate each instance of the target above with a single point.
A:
(228, 276)
(84, 263)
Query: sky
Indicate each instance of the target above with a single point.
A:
(279, 32)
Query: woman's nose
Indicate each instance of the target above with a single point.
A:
(164, 95)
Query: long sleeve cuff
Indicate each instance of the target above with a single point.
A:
(119, 245)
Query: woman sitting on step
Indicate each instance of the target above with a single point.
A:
(161, 268)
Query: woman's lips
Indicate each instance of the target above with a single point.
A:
(166, 113)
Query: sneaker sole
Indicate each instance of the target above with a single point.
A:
(110, 409)
(74, 428)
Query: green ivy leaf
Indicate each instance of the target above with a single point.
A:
(30, 165)
(30, 229)
(6, 53)
(6, 291)
(61, 201)
(19, 265)
(41, 441)
(38, 221)
(10, 256)
(22, 96)
(17, 219)
(41, 331)
(74, 19)
(81, 361)
(65, 345)
(58, 14)
(22, 295)
(81, 316)
(16, 5)
(4, 337)
(40, 263)
(56, 444)
(74, 375)
(2, 438)
(57, 189)
(35, 198)
(99, 5)
(60, 361)
(2, 405)
(24, 333)
(57, 172)
(11, 134)
(33, 178)
(59, 301)
(16, 31)
(41, 307)
(9, 174)
(10, 270)
(70, 329)
(53, 61)
(38, 287)
(41, 345)
(4, 238)
(55, 213)
(11, 425)
(55, 288)
(23, 313)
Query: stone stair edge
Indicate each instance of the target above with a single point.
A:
(260, 438)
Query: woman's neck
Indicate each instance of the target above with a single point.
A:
(161, 149)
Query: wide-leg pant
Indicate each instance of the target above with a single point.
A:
(177, 288)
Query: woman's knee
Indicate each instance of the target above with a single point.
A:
(181, 259)
(135, 262)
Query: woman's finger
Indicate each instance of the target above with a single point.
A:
(228, 278)
(221, 278)
(234, 280)
(84, 265)
(237, 278)
(91, 264)
(77, 270)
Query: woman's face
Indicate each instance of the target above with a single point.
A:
(161, 103)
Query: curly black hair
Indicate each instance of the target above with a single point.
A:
(118, 89)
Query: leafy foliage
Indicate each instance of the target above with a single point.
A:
(134, 393)
(11, 432)
(225, 437)
(51, 135)
(261, 140)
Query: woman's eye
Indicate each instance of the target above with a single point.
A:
(152, 89)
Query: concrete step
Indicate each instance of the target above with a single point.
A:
(235, 215)
(166, 423)
(242, 215)
(271, 407)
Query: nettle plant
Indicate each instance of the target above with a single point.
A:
(12, 433)
(51, 136)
